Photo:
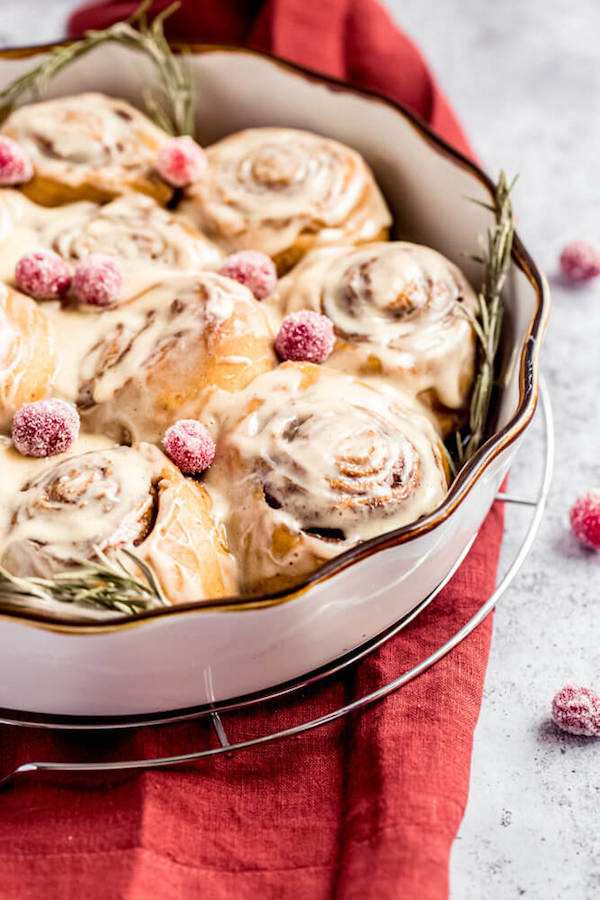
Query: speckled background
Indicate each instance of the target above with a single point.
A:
(524, 75)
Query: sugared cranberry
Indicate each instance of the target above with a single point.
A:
(580, 261)
(45, 428)
(43, 274)
(15, 166)
(98, 280)
(254, 269)
(189, 445)
(577, 710)
(181, 161)
(305, 336)
(585, 519)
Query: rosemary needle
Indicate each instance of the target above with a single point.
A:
(102, 583)
(496, 249)
(171, 105)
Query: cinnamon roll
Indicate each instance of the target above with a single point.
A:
(28, 359)
(117, 497)
(161, 357)
(284, 191)
(133, 228)
(137, 230)
(399, 312)
(310, 461)
(87, 147)
(25, 226)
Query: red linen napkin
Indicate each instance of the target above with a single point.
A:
(364, 808)
(351, 39)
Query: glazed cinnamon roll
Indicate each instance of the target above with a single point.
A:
(134, 229)
(284, 191)
(138, 231)
(161, 357)
(310, 461)
(87, 147)
(28, 359)
(398, 311)
(119, 497)
(25, 226)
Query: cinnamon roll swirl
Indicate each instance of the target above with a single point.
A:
(398, 311)
(161, 357)
(119, 497)
(134, 229)
(312, 461)
(28, 358)
(87, 147)
(284, 191)
(137, 231)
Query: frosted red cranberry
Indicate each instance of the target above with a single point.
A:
(45, 428)
(15, 166)
(577, 710)
(580, 261)
(254, 269)
(98, 280)
(181, 161)
(189, 445)
(585, 519)
(305, 336)
(43, 274)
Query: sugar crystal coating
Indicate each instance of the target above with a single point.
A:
(305, 336)
(585, 519)
(254, 269)
(98, 280)
(45, 427)
(189, 445)
(577, 710)
(15, 166)
(181, 161)
(580, 261)
(43, 275)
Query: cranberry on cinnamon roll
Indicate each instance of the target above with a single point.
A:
(310, 462)
(133, 229)
(161, 357)
(107, 499)
(398, 314)
(284, 191)
(27, 353)
(87, 147)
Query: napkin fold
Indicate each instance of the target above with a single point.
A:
(352, 39)
(367, 807)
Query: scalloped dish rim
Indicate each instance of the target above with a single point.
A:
(468, 475)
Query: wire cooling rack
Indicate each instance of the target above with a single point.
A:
(535, 508)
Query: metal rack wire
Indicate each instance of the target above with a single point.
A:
(214, 712)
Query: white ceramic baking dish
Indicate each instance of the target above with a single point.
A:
(190, 655)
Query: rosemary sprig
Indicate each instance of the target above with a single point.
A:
(495, 255)
(172, 108)
(102, 582)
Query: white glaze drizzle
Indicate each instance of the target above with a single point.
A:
(266, 186)
(87, 138)
(17, 470)
(85, 337)
(323, 451)
(395, 307)
(28, 356)
(143, 236)
(99, 499)
(107, 497)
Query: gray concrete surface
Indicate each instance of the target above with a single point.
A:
(524, 76)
